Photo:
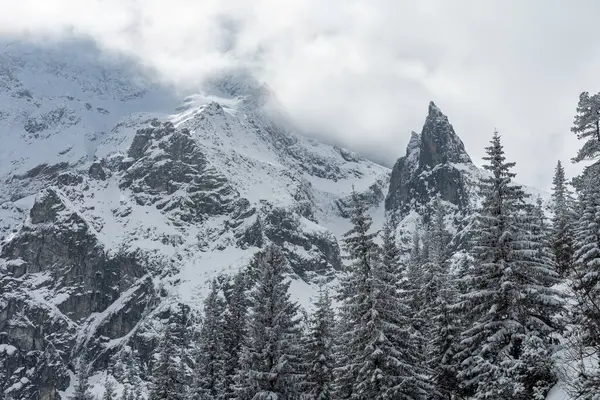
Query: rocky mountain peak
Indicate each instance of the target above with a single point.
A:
(435, 110)
(439, 143)
(434, 165)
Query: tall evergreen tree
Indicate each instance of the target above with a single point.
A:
(440, 324)
(168, 376)
(562, 222)
(584, 256)
(235, 330)
(586, 281)
(361, 249)
(382, 359)
(109, 390)
(444, 336)
(583, 343)
(320, 358)
(271, 357)
(415, 275)
(390, 253)
(210, 372)
(440, 237)
(586, 125)
(82, 387)
(505, 352)
(434, 267)
(130, 376)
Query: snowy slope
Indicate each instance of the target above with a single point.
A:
(119, 201)
(67, 102)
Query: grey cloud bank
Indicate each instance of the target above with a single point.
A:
(362, 73)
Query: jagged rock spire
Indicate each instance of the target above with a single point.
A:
(439, 142)
(427, 170)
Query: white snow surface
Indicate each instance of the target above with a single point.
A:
(558, 393)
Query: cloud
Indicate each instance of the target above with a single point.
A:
(362, 73)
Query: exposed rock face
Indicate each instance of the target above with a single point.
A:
(310, 249)
(55, 277)
(434, 165)
(439, 143)
(170, 170)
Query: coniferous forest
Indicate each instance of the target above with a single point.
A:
(519, 312)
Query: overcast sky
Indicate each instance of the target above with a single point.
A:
(363, 72)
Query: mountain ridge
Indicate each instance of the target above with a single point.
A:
(113, 213)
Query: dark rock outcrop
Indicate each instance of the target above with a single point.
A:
(433, 166)
(169, 169)
(308, 251)
(96, 171)
(54, 280)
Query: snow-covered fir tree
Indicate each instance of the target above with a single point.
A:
(440, 324)
(168, 376)
(209, 377)
(434, 266)
(82, 387)
(319, 350)
(109, 390)
(271, 362)
(505, 352)
(443, 337)
(390, 253)
(184, 321)
(234, 321)
(439, 236)
(562, 222)
(361, 249)
(585, 276)
(586, 125)
(382, 358)
(586, 286)
(129, 371)
(414, 274)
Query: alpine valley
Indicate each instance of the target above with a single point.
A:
(120, 202)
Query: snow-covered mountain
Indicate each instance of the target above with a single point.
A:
(118, 200)
(117, 203)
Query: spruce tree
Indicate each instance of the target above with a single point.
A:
(440, 237)
(82, 387)
(415, 275)
(586, 125)
(210, 371)
(382, 360)
(271, 357)
(390, 252)
(444, 339)
(319, 349)
(510, 299)
(434, 267)
(586, 280)
(440, 324)
(562, 222)
(361, 249)
(109, 390)
(235, 330)
(137, 394)
(168, 376)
